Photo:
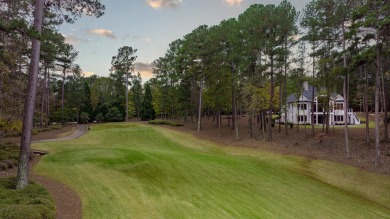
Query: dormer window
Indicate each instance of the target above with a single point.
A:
(302, 106)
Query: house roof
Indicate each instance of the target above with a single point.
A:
(292, 98)
(337, 97)
(306, 94)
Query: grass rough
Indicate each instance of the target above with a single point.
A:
(127, 170)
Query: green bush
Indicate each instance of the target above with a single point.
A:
(12, 134)
(84, 118)
(33, 202)
(100, 117)
(56, 127)
(163, 122)
(9, 154)
(35, 131)
(114, 115)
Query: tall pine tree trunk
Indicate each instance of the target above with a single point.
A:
(48, 97)
(22, 176)
(63, 93)
(1, 90)
(44, 89)
(271, 104)
(285, 92)
(234, 103)
(200, 103)
(365, 100)
(384, 102)
(377, 96)
(312, 97)
(280, 109)
(345, 91)
(127, 97)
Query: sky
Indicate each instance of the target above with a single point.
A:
(148, 26)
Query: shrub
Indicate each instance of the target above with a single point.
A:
(83, 118)
(12, 134)
(163, 122)
(32, 202)
(100, 117)
(114, 115)
(9, 155)
(35, 131)
(55, 127)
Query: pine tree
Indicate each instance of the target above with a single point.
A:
(147, 109)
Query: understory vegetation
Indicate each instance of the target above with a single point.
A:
(33, 202)
(165, 122)
(9, 156)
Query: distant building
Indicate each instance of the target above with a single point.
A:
(299, 108)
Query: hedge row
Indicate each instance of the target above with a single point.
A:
(35, 131)
(165, 122)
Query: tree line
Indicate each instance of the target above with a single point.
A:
(250, 64)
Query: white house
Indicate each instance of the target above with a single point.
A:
(299, 108)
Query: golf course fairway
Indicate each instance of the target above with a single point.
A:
(131, 170)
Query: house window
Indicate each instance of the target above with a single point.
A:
(302, 118)
(302, 106)
(338, 106)
(320, 108)
(339, 118)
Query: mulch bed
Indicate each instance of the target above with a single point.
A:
(68, 203)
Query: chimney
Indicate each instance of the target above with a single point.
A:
(305, 86)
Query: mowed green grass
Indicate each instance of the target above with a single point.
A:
(126, 170)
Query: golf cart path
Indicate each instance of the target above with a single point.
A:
(67, 201)
(79, 131)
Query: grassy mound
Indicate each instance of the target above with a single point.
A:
(33, 202)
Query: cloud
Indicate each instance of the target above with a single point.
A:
(156, 4)
(145, 69)
(234, 2)
(72, 40)
(88, 73)
(102, 32)
(138, 38)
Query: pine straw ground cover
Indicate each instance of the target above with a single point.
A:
(128, 170)
(32, 202)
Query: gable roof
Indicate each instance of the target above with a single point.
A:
(337, 97)
(306, 94)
